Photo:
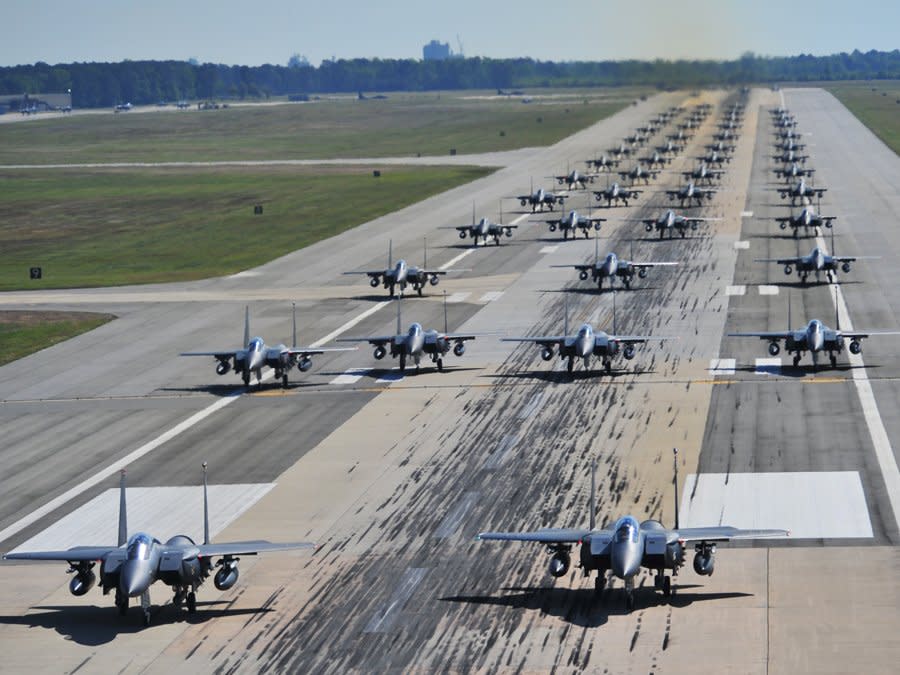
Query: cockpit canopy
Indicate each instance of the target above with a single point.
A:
(138, 547)
(626, 530)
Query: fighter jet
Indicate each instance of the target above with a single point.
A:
(670, 148)
(793, 170)
(720, 147)
(256, 355)
(540, 198)
(611, 267)
(484, 228)
(615, 193)
(603, 163)
(639, 173)
(622, 150)
(417, 342)
(403, 274)
(816, 262)
(587, 343)
(815, 337)
(801, 191)
(789, 146)
(137, 561)
(670, 221)
(636, 138)
(656, 159)
(679, 136)
(627, 546)
(703, 173)
(691, 192)
(573, 178)
(725, 135)
(808, 219)
(715, 157)
(790, 157)
(573, 222)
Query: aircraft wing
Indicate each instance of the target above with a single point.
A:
(551, 340)
(375, 339)
(310, 351)
(222, 354)
(244, 548)
(459, 337)
(782, 261)
(371, 273)
(76, 554)
(725, 533)
(546, 536)
(860, 334)
(580, 268)
(652, 264)
(766, 335)
(638, 338)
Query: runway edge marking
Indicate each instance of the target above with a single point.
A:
(148, 447)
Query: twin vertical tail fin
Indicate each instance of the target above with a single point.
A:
(446, 330)
(123, 519)
(789, 313)
(592, 520)
(398, 314)
(615, 328)
(294, 317)
(566, 320)
(205, 509)
(677, 520)
(246, 325)
(425, 254)
(390, 253)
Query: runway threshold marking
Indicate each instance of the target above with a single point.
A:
(735, 290)
(768, 290)
(163, 438)
(768, 366)
(741, 244)
(722, 366)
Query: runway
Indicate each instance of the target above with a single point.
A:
(393, 478)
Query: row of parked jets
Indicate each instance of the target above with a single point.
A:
(620, 550)
(815, 336)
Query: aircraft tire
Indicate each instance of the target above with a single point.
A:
(629, 601)
(284, 381)
(146, 618)
(402, 363)
(667, 587)
(121, 603)
(192, 602)
(440, 365)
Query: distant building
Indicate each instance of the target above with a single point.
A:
(436, 51)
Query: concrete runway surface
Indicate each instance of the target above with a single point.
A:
(393, 477)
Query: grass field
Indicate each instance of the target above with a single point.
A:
(22, 333)
(111, 227)
(877, 105)
(402, 125)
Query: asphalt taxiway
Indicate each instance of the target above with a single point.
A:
(393, 478)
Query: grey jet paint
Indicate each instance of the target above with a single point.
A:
(540, 198)
(587, 343)
(637, 172)
(793, 170)
(691, 192)
(815, 337)
(572, 222)
(703, 174)
(807, 219)
(816, 262)
(416, 343)
(139, 560)
(256, 354)
(624, 547)
(402, 275)
(603, 163)
(484, 229)
(801, 190)
(611, 267)
(575, 178)
(616, 193)
(672, 222)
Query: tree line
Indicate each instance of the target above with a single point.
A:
(146, 82)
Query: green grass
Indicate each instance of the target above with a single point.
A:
(23, 333)
(877, 105)
(111, 227)
(402, 125)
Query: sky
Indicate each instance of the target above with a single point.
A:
(270, 31)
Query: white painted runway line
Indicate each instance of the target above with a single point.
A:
(735, 290)
(746, 214)
(490, 296)
(450, 263)
(769, 366)
(549, 249)
(812, 505)
(162, 512)
(768, 290)
(884, 453)
(350, 376)
(458, 297)
(722, 366)
(166, 436)
(741, 244)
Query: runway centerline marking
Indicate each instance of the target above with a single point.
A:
(163, 438)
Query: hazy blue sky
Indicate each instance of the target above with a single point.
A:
(269, 31)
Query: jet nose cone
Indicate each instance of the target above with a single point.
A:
(133, 580)
(626, 562)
